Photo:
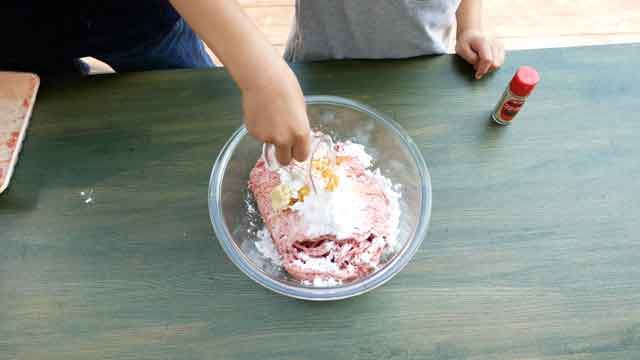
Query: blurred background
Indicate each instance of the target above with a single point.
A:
(520, 24)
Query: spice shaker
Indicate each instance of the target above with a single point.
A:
(514, 97)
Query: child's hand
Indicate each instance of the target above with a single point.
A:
(274, 107)
(484, 53)
(275, 112)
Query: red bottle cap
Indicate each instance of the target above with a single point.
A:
(524, 81)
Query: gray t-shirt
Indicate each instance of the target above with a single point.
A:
(370, 29)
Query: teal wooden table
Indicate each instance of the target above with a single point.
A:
(106, 250)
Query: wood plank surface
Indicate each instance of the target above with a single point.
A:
(519, 24)
(526, 24)
(532, 251)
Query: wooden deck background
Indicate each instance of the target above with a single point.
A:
(520, 24)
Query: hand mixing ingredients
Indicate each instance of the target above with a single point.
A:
(330, 218)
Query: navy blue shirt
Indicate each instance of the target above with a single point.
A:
(47, 30)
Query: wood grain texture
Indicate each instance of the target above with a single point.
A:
(532, 251)
(519, 24)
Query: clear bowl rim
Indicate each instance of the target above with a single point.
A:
(378, 278)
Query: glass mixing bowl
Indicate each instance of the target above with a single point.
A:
(236, 222)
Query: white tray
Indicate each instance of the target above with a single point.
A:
(17, 96)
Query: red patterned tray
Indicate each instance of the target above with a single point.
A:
(17, 95)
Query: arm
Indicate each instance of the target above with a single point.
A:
(484, 53)
(273, 102)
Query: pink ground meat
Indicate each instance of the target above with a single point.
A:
(348, 258)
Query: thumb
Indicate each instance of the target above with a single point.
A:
(283, 154)
(465, 52)
(485, 58)
(302, 146)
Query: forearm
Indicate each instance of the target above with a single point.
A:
(469, 15)
(234, 38)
